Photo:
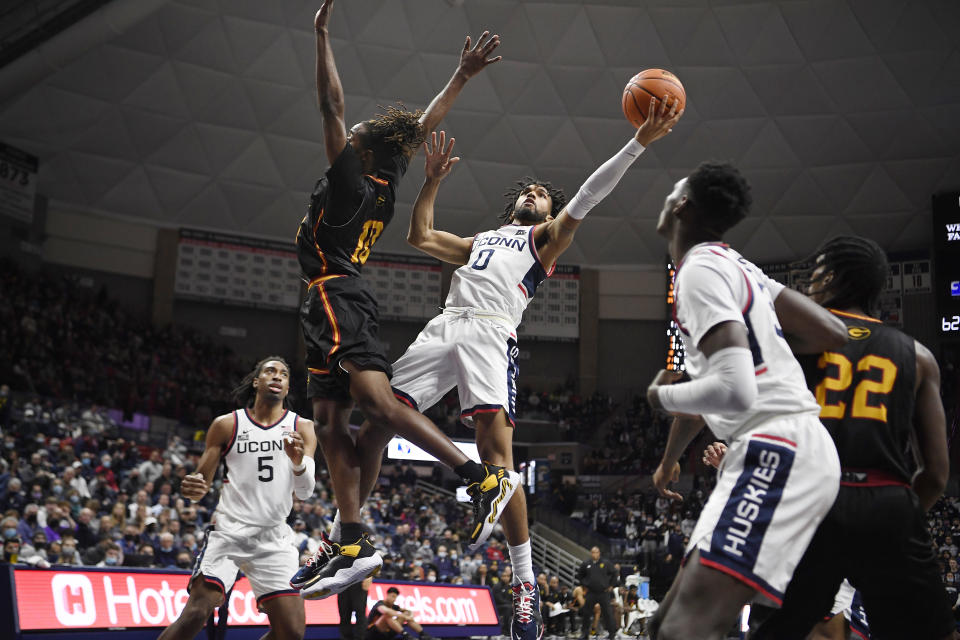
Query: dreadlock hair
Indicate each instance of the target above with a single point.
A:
(721, 193)
(859, 268)
(391, 132)
(557, 197)
(244, 394)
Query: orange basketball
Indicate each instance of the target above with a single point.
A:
(652, 83)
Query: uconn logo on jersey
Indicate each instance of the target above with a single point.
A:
(516, 243)
(262, 446)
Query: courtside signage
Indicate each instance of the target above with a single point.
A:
(51, 599)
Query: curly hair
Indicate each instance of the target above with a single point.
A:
(721, 193)
(860, 271)
(557, 197)
(244, 394)
(392, 132)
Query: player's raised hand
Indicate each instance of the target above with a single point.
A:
(194, 486)
(438, 163)
(660, 121)
(293, 446)
(323, 15)
(474, 60)
(663, 478)
(713, 454)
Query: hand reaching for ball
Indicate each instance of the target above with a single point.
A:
(660, 121)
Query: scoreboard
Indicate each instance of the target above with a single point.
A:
(946, 257)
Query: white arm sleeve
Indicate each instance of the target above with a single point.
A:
(603, 180)
(304, 483)
(730, 386)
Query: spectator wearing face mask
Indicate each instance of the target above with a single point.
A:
(166, 553)
(112, 557)
(68, 553)
(15, 497)
(446, 565)
(28, 524)
(184, 559)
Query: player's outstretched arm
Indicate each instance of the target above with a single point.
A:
(808, 327)
(329, 89)
(473, 60)
(196, 485)
(930, 429)
(555, 236)
(442, 245)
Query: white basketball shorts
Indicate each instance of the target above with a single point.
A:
(848, 602)
(267, 556)
(776, 484)
(475, 353)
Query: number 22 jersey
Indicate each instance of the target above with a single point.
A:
(866, 391)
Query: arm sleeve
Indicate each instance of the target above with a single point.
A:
(730, 386)
(304, 483)
(345, 187)
(603, 180)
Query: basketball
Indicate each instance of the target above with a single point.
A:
(651, 83)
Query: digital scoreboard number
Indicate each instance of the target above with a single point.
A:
(946, 259)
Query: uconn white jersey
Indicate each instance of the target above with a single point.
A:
(716, 284)
(257, 476)
(502, 275)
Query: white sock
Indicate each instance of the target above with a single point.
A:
(522, 563)
(334, 534)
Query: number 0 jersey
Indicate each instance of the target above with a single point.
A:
(348, 212)
(257, 474)
(715, 284)
(866, 391)
(502, 275)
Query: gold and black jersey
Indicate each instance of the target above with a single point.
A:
(348, 212)
(866, 391)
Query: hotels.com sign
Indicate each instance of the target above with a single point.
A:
(113, 599)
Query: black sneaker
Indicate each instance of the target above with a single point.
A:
(489, 499)
(308, 572)
(527, 623)
(351, 564)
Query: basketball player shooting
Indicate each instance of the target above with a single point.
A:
(782, 472)
(267, 454)
(349, 209)
(473, 344)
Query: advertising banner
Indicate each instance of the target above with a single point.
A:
(48, 599)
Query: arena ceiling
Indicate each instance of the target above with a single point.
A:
(844, 114)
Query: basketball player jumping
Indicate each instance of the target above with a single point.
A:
(266, 451)
(782, 472)
(879, 398)
(349, 209)
(473, 344)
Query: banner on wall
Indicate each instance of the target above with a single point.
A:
(18, 183)
(85, 599)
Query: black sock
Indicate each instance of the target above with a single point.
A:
(471, 471)
(350, 532)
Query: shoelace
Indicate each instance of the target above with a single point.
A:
(523, 603)
(325, 548)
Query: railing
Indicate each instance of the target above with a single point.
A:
(548, 556)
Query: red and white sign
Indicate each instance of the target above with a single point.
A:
(112, 599)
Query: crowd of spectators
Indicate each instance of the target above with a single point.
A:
(633, 442)
(62, 339)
